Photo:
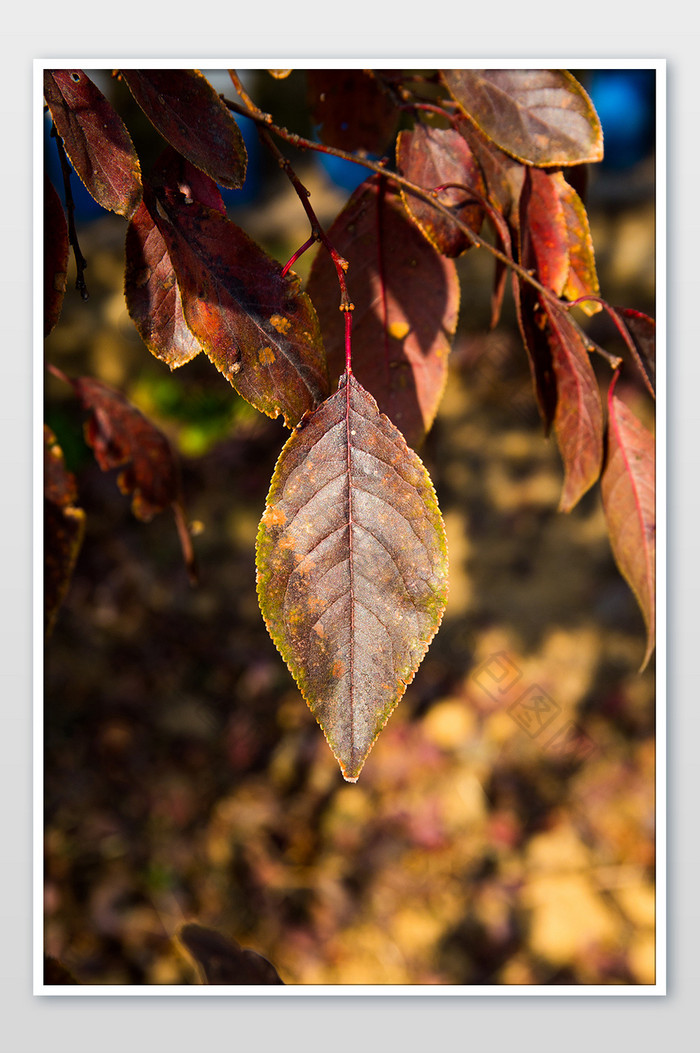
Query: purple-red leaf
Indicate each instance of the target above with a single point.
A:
(152, 294)
(406, 297)
(95, 139)
(64, 526)
(628, 490)
(185, 109)
(255, 324)
(56, 250)
(431, 157)
(578, 418)
(350, 109)
(541, 117)
(352, 567)
(121, 437)
(223, 961)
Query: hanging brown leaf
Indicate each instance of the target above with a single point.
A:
(255, 324)
(352, 567)
(582, 279)
(406, 298)
(223, 961)
(502, 175)
(544, 229)
(628, 491)
(350, 109)
(431, 157)
(539, 116)
(150, 286)
(95, 139)
(121, 437)
(188, 113)
(578, 418)
(56, 251)
(64, 527)
(152, 295)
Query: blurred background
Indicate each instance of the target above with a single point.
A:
(502, 830)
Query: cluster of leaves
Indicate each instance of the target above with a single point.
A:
(351, 555)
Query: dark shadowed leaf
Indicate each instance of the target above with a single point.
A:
(350, 109)
(150, 286)
(56, 250)
(223, 961)
(95, 139)
(532, 322)
(578, 418)
(543, 226)
(431, 157)
(185, 109)
(255, 324)
(352, 567)
(502, 175)
(582, 279)
(406, 298)
(121, 437)
(64, 526)
(641, 330)
(541, 117)
(628, 490)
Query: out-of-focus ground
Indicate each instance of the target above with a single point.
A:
(502, 830)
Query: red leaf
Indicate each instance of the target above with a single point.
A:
(152, 294)
(628, 491)
(185, 109)
(578, 419)
(541, 117)
(431, 157)
(350, 109)
(223, 961)
(544, 228)
(95, 139)
(257, 327)
(122, 437)
(56, 250)
(64, 527)
(406, 298)
(352, 567)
